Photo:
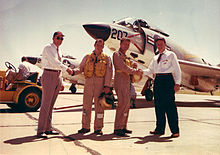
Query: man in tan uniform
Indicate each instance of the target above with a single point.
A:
(122, 81)
(97, 68)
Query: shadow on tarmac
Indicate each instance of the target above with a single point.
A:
(112, 137)
(28, 139)
(76, 137)
(95, 137)
(152, 138)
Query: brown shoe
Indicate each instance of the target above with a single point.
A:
(175, 135)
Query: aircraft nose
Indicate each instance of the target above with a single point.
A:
(98, 31)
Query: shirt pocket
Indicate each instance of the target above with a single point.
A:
(165, 63)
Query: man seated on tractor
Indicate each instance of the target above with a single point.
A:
(23, 73)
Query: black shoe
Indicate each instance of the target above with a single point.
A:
(119, 132)
(41, 135)
(175, 135)
(126, 130)
(156, 133)
(132, 106)
(83, 130)
(98, 132)
(51, 133)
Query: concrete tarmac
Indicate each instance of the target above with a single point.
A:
(199, 121)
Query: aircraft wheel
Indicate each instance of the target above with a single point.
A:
(30, 99)
(149, 94)
(73, 88)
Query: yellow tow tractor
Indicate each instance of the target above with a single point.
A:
(24, 95)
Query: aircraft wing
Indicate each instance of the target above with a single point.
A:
(200, 69)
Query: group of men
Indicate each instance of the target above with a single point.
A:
(97, 68)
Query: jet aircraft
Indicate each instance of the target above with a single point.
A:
(197, 74)
(69, 61)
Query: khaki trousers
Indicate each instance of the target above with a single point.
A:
(51, 83)
(122, 110)
(92, 89)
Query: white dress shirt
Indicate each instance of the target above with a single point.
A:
(168, 64)
(50, 58)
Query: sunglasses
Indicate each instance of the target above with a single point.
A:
(60, 38)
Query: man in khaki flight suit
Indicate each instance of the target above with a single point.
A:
(97, 68)
(122, 81)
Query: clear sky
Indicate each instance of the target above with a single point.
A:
(26, 26)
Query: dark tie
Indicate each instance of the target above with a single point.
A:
(158, 60)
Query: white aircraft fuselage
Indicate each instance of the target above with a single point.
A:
(196, 73)
(69, 62)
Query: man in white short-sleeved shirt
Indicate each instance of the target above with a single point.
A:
(166, 70)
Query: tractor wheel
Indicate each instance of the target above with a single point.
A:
(30, 99)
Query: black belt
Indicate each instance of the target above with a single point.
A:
(51, 70)
(162, 74)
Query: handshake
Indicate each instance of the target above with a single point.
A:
(137, 76)
(71, 71)
(139, 72)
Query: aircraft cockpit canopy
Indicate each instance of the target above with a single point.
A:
(141, 23)
(137, 24)
(132, 22)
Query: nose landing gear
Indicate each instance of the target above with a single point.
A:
(146, 91)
